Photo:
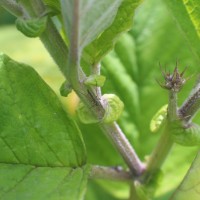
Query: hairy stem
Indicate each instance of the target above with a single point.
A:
(96, 69)
(165, 142)
(110, 173)
(55, 46)
(172, 106)
(191, 105)
(158, 155)
(12, 7)
(116, 136)
(50, 37)
(73, 64)
(133, 192)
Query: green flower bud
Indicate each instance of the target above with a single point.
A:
(95, 80)
(186, 136)
(31, 27)
(113, 107)
(158, 119)
(85, 115)
(65, 89)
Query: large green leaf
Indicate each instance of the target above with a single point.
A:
(96, 192)
(123, 21)
(42, 183)
(93, 17)
(99, 25)
(41, 147)
(187, 15)
(189, 188)
(33, 123)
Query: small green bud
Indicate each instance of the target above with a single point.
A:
(95, 80)
(85, 115)
(65, 89)
(113, 109)
(186, 136)
(31, 27)
(158, 119)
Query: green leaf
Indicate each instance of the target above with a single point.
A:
(53, 4)
(33, 123)
(42, 152)
(97, 192)
(95, 17)
(186, 14)
(42, 183)
(186, 136)
(121, 79)
(122, 22)
(189, 188)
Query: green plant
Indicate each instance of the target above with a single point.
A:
(43, 148)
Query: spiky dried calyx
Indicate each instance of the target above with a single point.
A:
(174, 81)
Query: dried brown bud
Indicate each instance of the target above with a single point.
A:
(174, 81)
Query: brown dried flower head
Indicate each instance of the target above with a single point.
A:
(174, 81)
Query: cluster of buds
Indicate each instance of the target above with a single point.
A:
(174, 81)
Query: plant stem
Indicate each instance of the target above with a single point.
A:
(158, 155)
(172, 106)
(50, 37)
(165, 142)
(191, 105)
(96, 69)
(133, 192)
(110, 173)
(120, 142)
(74, 57)
(55, 46)
(12, 7)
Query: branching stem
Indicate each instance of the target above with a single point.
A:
(110, 173)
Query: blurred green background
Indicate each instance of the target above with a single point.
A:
(5, 17)
(154, 38)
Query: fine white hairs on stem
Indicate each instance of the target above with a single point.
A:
(192, 104)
